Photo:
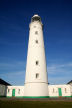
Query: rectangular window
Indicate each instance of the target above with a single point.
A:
(18, 91)
(37, 62)
(36, 32)
(8, 90)
(53, 90)
(36, 41)
(37, 75)
(65, 90)
(34, 26)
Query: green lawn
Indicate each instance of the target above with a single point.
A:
(34, 104)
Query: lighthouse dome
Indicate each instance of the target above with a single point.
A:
(36, 18)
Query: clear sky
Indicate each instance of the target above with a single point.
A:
(15, 16)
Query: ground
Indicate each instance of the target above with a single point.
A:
(35, 103)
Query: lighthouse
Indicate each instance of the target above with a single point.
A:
(36, 81)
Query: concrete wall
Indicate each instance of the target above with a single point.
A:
(19, 91)
(53, 90)
(3, 89)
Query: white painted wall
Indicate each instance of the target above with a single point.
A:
(36, 89)
(37, 92)
(71, 89)
(36, 52)
(53, 90)
(10, 88)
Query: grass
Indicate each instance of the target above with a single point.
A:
(34, 104)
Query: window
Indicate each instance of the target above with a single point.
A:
(34, 26)
(36, 18)
(65, 90)
(37, 62)
(53, 90)
(8, 90)
(37, 75)
(36, 32)
(18, 91)
(36, 41)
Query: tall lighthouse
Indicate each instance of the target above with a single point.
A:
(36, 82)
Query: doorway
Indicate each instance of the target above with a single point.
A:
(13, 92)
(60, 91)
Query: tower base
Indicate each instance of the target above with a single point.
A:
(36, 90)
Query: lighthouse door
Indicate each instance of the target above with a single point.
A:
(13, 92)
(59, 91)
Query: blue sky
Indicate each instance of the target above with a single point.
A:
(15, 16)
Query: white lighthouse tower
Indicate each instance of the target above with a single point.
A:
(36, 82)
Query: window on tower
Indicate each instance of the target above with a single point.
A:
(36, 32)
(36, 41)
(37, 75)
(37, 62)
(34, 26)
(36, 18)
